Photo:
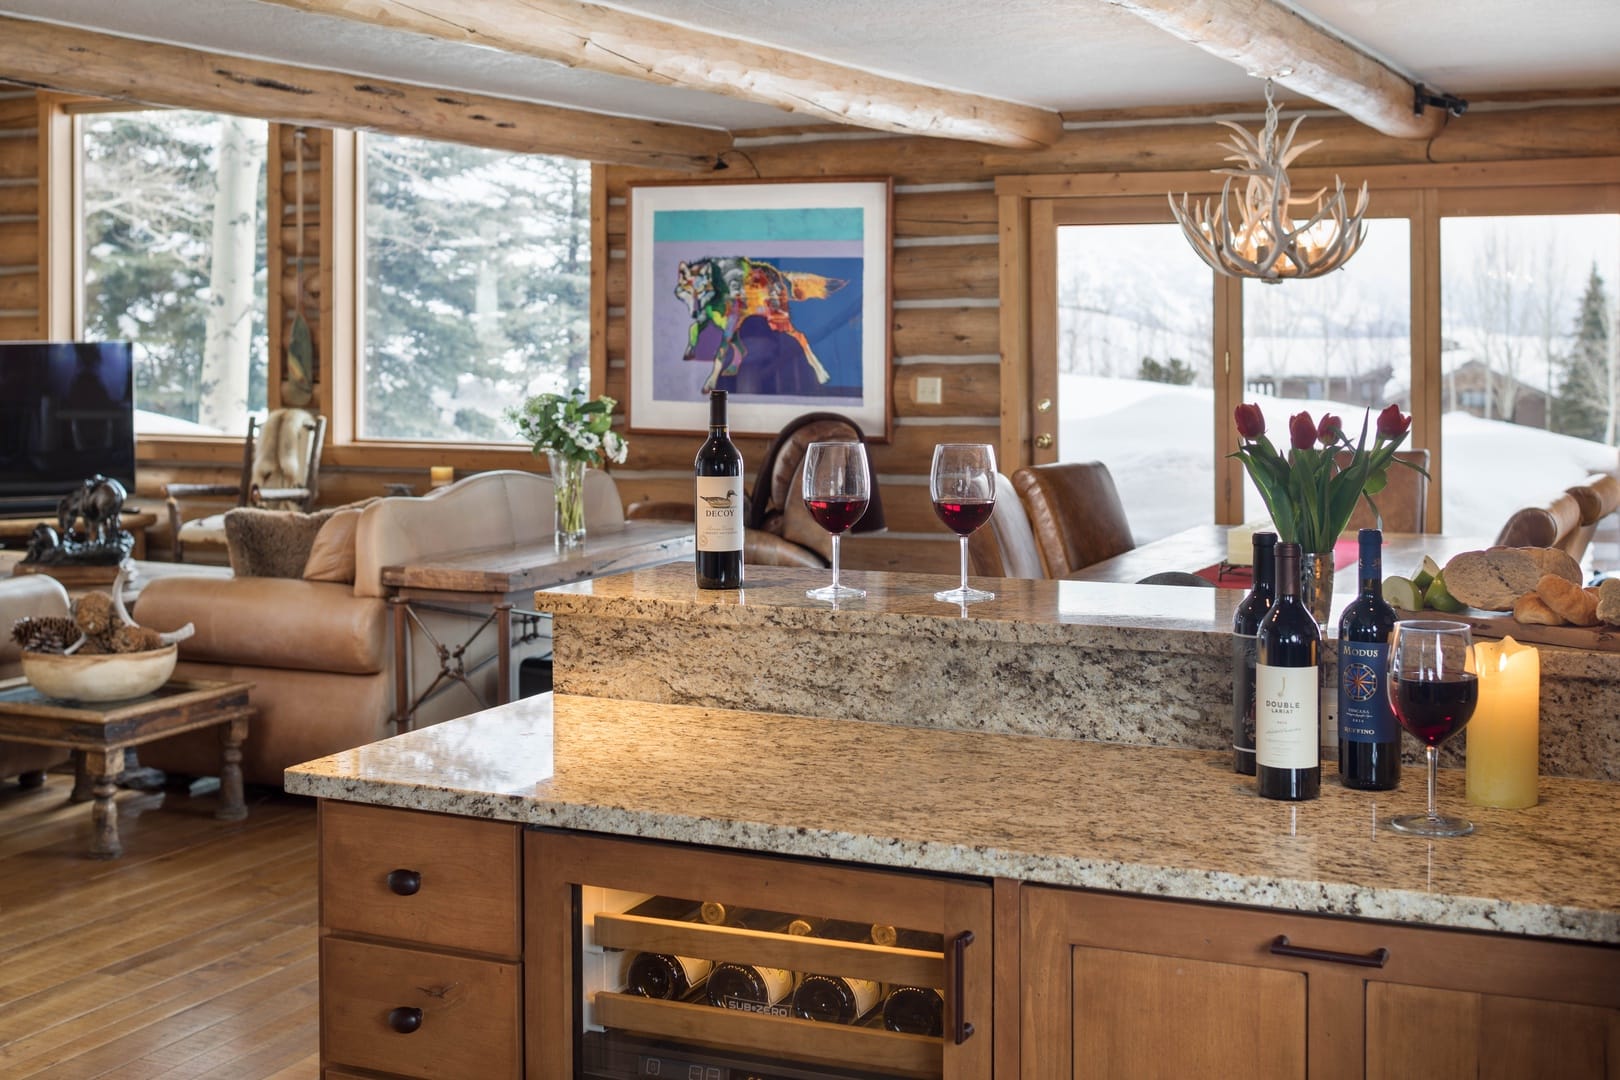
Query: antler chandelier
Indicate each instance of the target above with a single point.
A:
(1262, 239)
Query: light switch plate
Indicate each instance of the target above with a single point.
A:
(929, 390)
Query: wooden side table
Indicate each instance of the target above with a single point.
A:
(99, 734)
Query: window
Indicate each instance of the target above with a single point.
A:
(477, 290)
(1529, 372)
(1135, 370)
(171, 251)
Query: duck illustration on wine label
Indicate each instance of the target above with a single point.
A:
(720, 502)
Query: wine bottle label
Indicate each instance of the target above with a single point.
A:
(719, 513)
(778, 985)
(867, 994)
(1244, 657)
(697, 969)
(1364, 712)
(1286, 722)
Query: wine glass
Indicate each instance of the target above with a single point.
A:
(963, 486)
(837, 485)
(1433, 687)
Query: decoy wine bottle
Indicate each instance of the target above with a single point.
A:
(1287, 691)
(1369, 739)
(719, 504)
(1245, 624)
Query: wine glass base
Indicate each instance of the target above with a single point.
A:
(963, 596)
(1424, 825)
(835, 592)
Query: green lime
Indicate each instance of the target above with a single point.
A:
(1438, 598)
(1402, 593)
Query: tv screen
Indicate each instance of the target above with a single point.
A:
(67, 412)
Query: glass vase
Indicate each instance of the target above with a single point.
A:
(568, 482)
(1316, 583)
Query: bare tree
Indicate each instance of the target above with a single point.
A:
(230, 278)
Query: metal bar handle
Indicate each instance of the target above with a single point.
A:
(961, 1030)
(1375, 959)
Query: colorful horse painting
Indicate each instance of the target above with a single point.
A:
(725, 291)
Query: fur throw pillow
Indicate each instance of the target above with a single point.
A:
(271, 543)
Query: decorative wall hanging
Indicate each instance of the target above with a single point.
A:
(776, 292)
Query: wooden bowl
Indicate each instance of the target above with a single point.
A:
(99, 677)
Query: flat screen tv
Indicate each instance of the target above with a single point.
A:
(67, 412)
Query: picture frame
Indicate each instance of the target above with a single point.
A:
(777, 292)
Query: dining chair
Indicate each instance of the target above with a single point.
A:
(1403, 502)
(1597, 498)
(1551, 525)
(1006, 546)
(1076, 514)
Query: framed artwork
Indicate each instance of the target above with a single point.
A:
(775, 292)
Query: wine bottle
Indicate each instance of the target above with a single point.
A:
(1287, 691)
(884, 934)
(719, 504)
(834, 999)
(717, 914)
(1369, 739)
(750, 988)
(665, 975)
(915, 1010)
(1245, 623)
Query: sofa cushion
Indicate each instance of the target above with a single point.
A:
(271, 543)
(311, 625)
(331, 558)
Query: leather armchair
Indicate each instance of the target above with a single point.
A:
(320, 653)
(26, 595)
(1076, 514)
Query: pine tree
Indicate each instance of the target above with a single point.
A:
(1581, 405)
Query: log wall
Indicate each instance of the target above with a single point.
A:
(21, 249)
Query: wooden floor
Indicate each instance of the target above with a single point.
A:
(192, 956)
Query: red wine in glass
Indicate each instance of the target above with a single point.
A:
(962, 516)
(1434, 710)
(836, 513)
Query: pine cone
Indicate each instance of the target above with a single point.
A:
(129, 638)
(96, 614)
(94, 644)
(44, 633)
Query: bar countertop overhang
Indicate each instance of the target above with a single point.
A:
(1140, 820)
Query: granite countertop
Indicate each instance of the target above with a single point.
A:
(1143, 618)
(1150, 821)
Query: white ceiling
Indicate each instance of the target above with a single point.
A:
(1068, 55)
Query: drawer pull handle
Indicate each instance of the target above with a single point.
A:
(1375, 959)
(961, 1030)
(405, 1019)
(404, 882)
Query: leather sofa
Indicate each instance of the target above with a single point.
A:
(321, 653)
(35, 595)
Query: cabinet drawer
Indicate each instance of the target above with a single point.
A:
(429, 879)
(466, 1012)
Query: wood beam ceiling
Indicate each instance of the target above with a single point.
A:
(124, 69)
(595, 38)
(1265, 37)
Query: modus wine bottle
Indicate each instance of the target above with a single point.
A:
(1288, 691)
(1369, 739)
(719, 505)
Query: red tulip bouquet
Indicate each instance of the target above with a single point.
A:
(1309, 495)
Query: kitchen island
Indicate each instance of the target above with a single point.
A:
(1037, 785)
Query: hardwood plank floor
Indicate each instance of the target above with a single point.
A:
(193, 956)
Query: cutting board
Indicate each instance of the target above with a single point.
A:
(1488, 625)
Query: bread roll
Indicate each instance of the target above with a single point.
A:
(1494, 579)
(1571, 602)
(1608, 605)
(1532, 610)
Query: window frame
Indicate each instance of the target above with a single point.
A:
(1032, 207)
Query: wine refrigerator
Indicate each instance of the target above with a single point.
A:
(661, 960)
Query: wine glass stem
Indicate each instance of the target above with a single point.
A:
(964, 562)
(1433, 754)
(835, 565)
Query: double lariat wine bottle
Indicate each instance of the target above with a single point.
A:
(1287, 690)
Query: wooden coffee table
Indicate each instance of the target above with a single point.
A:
(99, 733)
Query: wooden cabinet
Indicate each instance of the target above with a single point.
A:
(421, 944)
(1126, 987)
(574, 880)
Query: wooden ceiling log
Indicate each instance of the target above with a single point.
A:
(74, 61)
(596, 38)
(1267, 38)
